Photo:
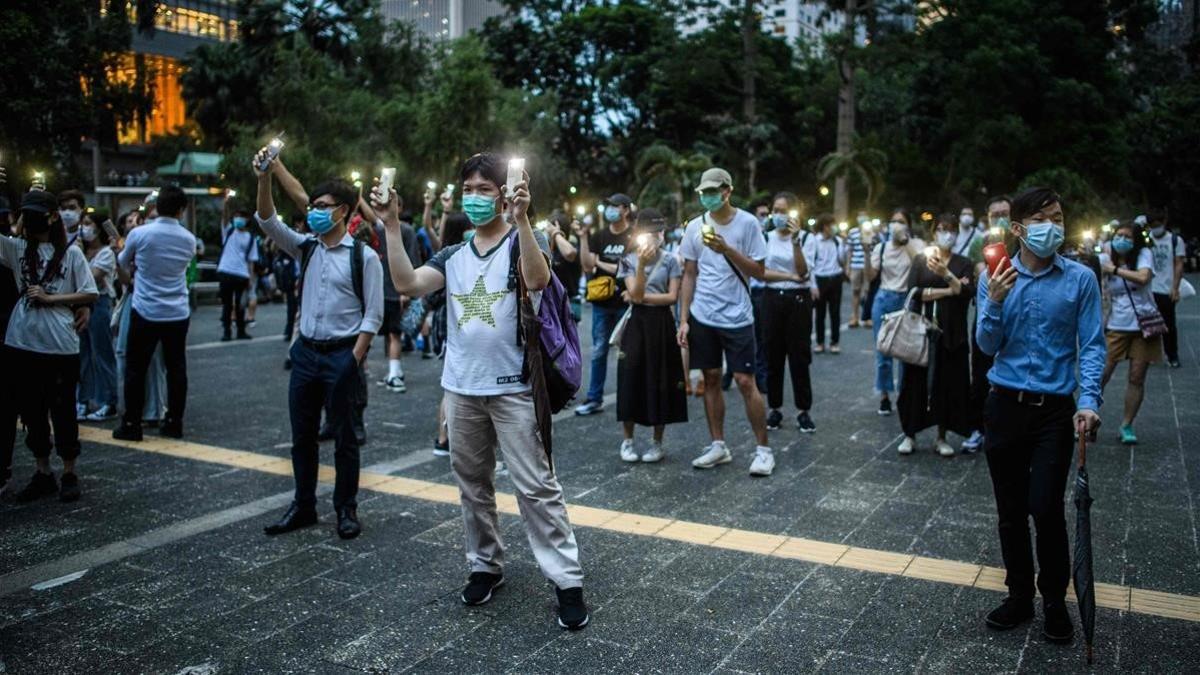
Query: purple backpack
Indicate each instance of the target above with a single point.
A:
(561, 362)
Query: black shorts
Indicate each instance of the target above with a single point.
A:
(393, 318)
(711, 347)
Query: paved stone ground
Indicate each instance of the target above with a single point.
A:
(179, 577)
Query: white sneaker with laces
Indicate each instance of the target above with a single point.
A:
(944, 449)
(717, 453)
(906, 446)
(974, 442)
(654, 454)
(764, 462)
(628, 451)
(104, 412)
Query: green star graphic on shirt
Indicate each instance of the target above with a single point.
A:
(478, 304)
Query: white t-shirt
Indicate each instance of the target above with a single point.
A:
(782, 258)
(1121, 316)
(482, 355)
(237, 252)
(1164, 260)
(721, 299)
(827, 256)
(893, 263)
(46, 330)
(105, 261)
(160, 252)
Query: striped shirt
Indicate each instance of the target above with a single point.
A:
(854, 237)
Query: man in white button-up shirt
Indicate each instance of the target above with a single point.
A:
(341, 308)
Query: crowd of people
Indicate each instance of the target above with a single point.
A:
(97, 316)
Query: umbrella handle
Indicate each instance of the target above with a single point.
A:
(1082, 450)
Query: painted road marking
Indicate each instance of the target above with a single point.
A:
(1112, 596)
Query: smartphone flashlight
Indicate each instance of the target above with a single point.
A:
(643, 239)
(232, 192)
(580, 210)
(843, 226)
(516, 173)
(930, 252)
(432, 185)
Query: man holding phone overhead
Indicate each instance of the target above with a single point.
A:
(1039, 316)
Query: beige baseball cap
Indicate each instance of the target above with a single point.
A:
(714, 178)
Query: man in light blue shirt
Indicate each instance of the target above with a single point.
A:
(1039, 318)
(158, 254)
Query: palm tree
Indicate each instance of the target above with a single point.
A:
(661, 170)
(864, 163)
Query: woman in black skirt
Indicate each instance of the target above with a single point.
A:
(650, 378)
(940, 393)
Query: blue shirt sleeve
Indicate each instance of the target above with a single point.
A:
(1092, 348)
(990, 331)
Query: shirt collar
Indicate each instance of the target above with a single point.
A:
(1056, 262)
(346, 240)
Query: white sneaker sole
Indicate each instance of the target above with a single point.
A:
(581, 626)
(485, 599)
(761, 473)
(651, 459)
(708, 465)
(632, 459)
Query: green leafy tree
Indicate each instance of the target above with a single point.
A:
(666, 178)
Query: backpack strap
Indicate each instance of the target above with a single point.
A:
(356, 273)
(515, 281)
(307, 248)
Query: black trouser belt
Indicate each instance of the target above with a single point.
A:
(1032, 398)
(787, 291)
(327, 346)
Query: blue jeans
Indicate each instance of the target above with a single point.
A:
(885, 301)
(97, 360)
(604, 320)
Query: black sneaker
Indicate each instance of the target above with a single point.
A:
(68, 489)
(41, 485)
(1174, 363)
(572, 613)
(480, 586)
(805, 423)
(774, 419)
(128, 432)
(1010, 614)
(885, 407)
(171, 428)
(1058, 628)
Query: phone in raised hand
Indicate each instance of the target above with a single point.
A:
(270, 152)
(516, 174)
(387, 177)
(996, 257)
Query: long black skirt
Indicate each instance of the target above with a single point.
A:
(650, 381)
(939, 394)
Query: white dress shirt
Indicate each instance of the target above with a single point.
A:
(329, 308)
(159, 253)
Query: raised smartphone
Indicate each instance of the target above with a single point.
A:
(516, 174)
(272, 150)
(387, 177)
(996, 257)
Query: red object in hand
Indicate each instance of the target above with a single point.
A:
(996, 256)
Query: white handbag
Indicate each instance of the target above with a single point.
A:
(905, 334)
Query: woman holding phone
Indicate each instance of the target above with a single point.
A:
(788, 310)
(650, 377)
(946, 288)
(891, 261)
(1128, 269)
(98, 359)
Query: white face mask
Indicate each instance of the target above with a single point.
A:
(966, 221)
(70, 217)
(87, 233)
(945, 239)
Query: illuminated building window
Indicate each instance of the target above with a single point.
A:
(168, 112)
(188, 21)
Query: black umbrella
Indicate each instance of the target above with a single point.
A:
(1085, 582)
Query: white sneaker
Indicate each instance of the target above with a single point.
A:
(906, 446)
(103, 413)
(717, 453)
(654, 454)
(944, 449)
(628, 452)
(396, 384)
(80, 412)
(764, 462)
(974, 442)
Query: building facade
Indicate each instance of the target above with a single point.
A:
(442, 19)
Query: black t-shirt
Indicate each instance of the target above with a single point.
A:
(610, 248)
(567, 271)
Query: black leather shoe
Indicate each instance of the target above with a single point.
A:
(128, 432)
(348, 527)
(294, 518)
(1058, 628)
(1010, 614)
(171, 428)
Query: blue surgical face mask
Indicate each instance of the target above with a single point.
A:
(480, 209)
(239, 222)
(945, 239)
(711, 202)
(612, 214)
(1043, 239)
(320, 221)
(779, 220)
(1122, 244)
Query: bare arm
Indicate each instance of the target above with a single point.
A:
(799, 261)
(535, 269)
(408, 281)
(687, 290)
(290, 186)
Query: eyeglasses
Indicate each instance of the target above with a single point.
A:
(324, 206)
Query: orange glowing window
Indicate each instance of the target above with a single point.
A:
(168, 112)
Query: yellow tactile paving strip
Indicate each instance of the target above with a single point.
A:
(1141, 601)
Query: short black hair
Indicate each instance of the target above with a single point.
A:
(486, 164)
(67, 195)
(995, 199)
(950, 218)
(171, 201)
(339, 188)
(825, 219)
(1156, 215)
(1032, 200)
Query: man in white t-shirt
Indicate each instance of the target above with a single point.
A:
(158, 253)
(238, 255)
(722, 248)
(488, 407)
(1169, 252)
